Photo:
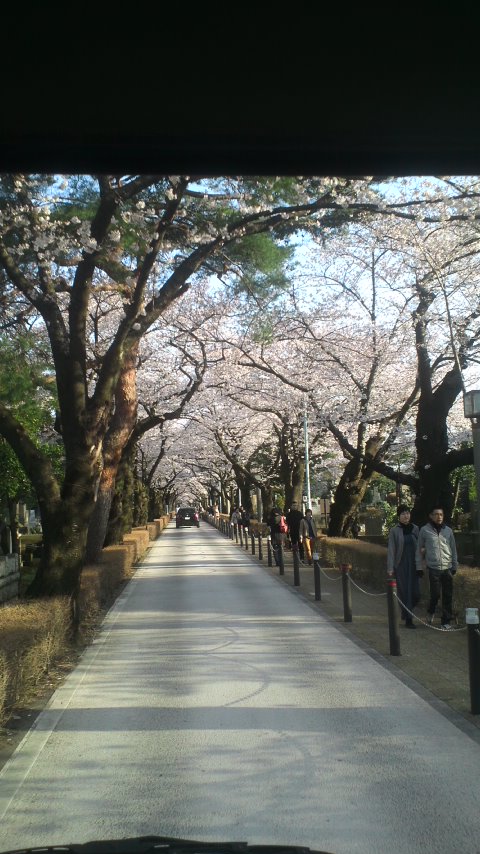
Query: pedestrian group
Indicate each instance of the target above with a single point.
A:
(410, 552)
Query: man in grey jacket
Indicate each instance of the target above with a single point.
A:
(436, 549)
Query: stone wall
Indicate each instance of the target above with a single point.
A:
(9, 577)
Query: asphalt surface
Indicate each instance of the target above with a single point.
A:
(220, 702)
(434, 663)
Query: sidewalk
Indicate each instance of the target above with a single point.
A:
(434, 663)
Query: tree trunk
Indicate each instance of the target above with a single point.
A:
(121, 426)
(267, 501)
(348, 496)
(431, 442)
(63, 553)
(292, 465)
(13, 517)
(121, 513)
(352, 487)
(140, 503)
(245, 486)
(295, 483)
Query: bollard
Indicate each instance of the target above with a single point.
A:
(252, 541)
(296, 566)
(473, 630)
(347, 593)
(260, 547)
(236, 533)
(231, 530)
(392, 602)
(281, 565)
(245, 531)
(269, 552)
(316, 578)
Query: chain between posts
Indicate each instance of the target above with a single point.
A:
(471, 622)
(423, 622)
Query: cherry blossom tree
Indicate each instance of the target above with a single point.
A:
(100, 260)
(349, 334)
(142, 239)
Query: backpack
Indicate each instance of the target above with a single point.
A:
(282, 524)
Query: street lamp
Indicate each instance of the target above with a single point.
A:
(307, 460)
(471, 409)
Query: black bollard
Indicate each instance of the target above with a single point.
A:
(296, 567)
(245, 531)
(252, 541)
(281, 565)
(473, 631)
(269, 552)
(231, 530)
(392, 602)
(236, 533)
(260, 547)
(316, 580)
(240, 534)
(347, 593)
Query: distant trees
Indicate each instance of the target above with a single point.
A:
(377, 326)
(99, 261)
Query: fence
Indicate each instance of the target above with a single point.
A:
(9, 577)
(362, 596)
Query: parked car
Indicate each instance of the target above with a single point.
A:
(187, 516)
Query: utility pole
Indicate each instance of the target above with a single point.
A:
(307, 461)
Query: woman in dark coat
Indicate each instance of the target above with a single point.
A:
(402, 545)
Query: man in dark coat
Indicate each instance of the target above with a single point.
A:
(294, 517)
(277, 537)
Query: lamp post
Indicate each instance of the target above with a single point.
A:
(307, 460)
(471, 409)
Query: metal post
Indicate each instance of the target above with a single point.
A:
(231, 530)
(259, 505)
(245, 531)
(392, 602)
(347, 593)
(473, 630)
(252, 541)
(260, 546)
(281, 565)
(316, 580)
(296, 566)
(269, 552)
(240, 534)
(476, 461)
(307, 461)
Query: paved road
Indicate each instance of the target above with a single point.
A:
(217, 704)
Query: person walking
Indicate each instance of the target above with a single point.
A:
(293, 519)
(277, 536)
(308, 534)
(401, 563)
(245, 518)
(236, 517)
(437, 550)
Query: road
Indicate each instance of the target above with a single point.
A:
(219, 704)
